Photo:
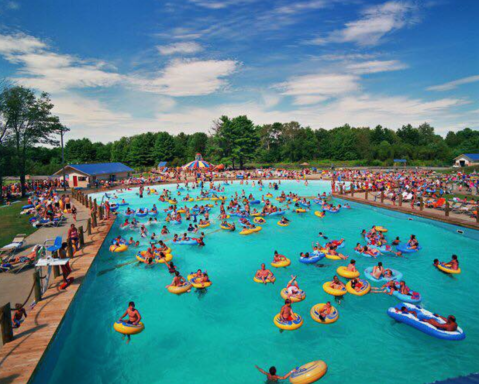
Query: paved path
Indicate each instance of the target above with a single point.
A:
(15, 287)
(430, 213)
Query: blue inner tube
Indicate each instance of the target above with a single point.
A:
(305, 205)
(28, 206)
(405, 249)
(278, 213)
(312, 259)
(122, 241)
(329, 210)
(255, 202)
(416, 298)
(186, 242)
(397, 276)
(427, 328)
(139, 214)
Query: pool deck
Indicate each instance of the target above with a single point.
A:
(19, 358)
(429, 213)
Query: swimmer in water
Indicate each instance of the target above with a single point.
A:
(272, 376)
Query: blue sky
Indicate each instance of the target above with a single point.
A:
(116, 67)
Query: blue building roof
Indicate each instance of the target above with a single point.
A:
(162, 164)
(101, 168)
(400, 160)
(472, 156)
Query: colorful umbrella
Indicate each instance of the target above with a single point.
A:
(197, 164)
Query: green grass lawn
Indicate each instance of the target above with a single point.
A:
(12, 223)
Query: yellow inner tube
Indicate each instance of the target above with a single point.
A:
(270, 280)
(259, 220)
(448, 270)
(319, 213)
(181, 211)
(364, 289)
(309, 373)
(331, 318)
(282, 263)
(343, 272)
(250, 231)
(329, 256)
(332, 291)
(380, 229)
(294, 299)
(283, 225)
(179, 290)
(200, 285)
(290, 325)
(174, 202)
(300, 210)
(204, 225)
(225, 227)
(168, 257)
(269, 195)
(128, 329)
(119, 248)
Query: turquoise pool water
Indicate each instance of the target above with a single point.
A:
(219, 335)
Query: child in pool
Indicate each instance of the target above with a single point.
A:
(272, 376)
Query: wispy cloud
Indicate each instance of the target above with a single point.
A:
(311, 89)
(180, 48)
(188, 78)
(376, 66)
(40, 68)
(52, 72)
(454, 84)
(219, 4)
(376, 22)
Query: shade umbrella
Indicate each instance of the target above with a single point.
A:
(198, 163)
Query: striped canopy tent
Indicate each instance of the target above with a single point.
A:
(198, 164)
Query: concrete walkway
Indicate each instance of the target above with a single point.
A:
(462, 220)
(15, 287)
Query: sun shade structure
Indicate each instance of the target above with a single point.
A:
(198, 163)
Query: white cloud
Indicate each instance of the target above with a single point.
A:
(188, 77)
(295, 7)
(454, 84)
(376, 66)
(309, 89)
(309, 99)
(19, 43)
(52, 72)
(219, 4)
(179, 48)
(376, 22)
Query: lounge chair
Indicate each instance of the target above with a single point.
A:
(21, 262)
(14, 246)
(53, 245)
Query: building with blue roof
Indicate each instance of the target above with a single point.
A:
(466, 160)
(89, 175)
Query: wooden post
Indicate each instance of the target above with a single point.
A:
(81, 237)
(38, 287)
(366, 194)
(341, 189)
(421, 203)
(93, 220)
(6, 323)
(382, 197)
(352, 190)
(447, 209)
(88, 227)
(400, 199)
(69, 248)
(477, 213)
(56, 271)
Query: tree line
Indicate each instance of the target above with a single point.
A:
(235, 142)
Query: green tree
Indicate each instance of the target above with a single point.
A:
(165, 148)
(29, 120)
